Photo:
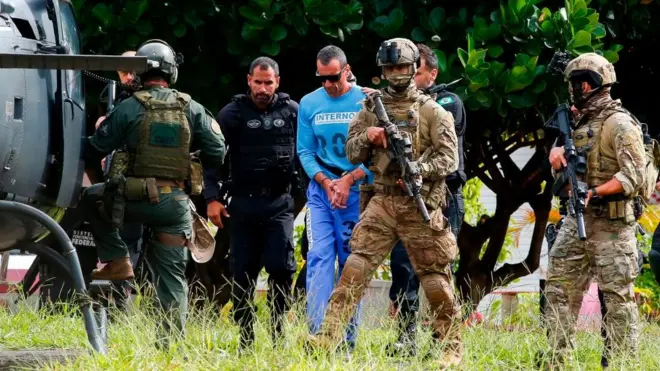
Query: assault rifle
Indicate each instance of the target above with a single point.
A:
(401, 150)
(442, 87)
(562, 120)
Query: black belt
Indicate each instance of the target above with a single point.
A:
(260, 192)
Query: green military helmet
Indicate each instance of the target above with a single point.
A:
(597, 64)
(399, 52)
(161, 57)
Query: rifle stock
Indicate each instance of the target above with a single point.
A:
(400, 149)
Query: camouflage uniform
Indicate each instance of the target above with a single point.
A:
(391, 216)
(611, 141)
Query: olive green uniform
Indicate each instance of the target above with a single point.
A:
(162, 147)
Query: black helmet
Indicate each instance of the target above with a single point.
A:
(161, 57)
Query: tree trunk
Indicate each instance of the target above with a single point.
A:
(476, 275)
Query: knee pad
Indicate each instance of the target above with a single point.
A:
(438, 291)
(356, 270)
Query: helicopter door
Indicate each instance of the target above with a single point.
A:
(73, 109)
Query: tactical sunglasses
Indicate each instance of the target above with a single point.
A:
(331, 78)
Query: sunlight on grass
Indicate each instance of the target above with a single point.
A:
(211, 342)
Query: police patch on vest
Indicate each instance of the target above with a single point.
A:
(215, 127)
(445, 100)
(253, 124)
(103, 129)
(278, 123)
(164, 134)
(268, 123)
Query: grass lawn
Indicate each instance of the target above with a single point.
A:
(212, 339)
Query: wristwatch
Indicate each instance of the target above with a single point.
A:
(349, 173)
(593, 192)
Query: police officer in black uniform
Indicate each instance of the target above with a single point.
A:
(260, 130)
(405, 284)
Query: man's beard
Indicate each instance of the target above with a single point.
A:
(263, 98)
(335, 89)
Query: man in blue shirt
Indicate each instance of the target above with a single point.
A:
(333, 198)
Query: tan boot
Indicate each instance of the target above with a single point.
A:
(115, 270)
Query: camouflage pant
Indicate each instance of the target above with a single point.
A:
(431, 248)
(609, 255)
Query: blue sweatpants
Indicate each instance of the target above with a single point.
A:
(328, 233)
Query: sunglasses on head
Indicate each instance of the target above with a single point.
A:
(331, 78)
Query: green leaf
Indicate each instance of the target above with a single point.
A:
(250, 32)
(192, 19)
(263, 4)
(329, 30)
(547, 27)
(539, 87)
(251, 13)
(355, 26)
(103, 13)
(442, 60)
(495, 51)
(470, 43)
(172, 19)
(579, 9)
(437, 18)
(270, 48)
(581, 38)
(396, 19)
(180, 30)
(599, 31)
(278, 32)
(311, 3)
(616, 48)
(584, 49)
(418, 35)
(144, 28)
(463, 56)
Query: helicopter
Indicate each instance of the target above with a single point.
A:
(42, 131)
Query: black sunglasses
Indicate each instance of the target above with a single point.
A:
(331, 78)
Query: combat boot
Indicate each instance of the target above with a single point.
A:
(115, 270)
(405, 345)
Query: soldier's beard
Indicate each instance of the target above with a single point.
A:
(262, 98)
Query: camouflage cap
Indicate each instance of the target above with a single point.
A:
(595, 63)
(397, 51)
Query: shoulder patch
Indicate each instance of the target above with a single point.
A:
(446, 100)
(215, 127)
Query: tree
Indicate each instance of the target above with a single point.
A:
(501, 60)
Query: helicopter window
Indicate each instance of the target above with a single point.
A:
(24, 28)
(72, 39)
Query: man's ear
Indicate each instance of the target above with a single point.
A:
(586, 87)
(434, 73)
(249, 79)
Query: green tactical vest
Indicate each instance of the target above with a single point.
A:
(163, 147)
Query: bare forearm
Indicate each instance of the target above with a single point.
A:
(613, 186)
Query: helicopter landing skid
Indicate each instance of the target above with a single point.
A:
(91, 326)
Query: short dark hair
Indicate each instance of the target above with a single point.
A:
(264, 63)
(331, 52)
(428, 55)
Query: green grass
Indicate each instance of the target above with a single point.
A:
(212, 339)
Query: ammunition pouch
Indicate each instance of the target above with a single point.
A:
(366, 194)
(118, 164)
(614, 207)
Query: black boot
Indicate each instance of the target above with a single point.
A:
(405, 344)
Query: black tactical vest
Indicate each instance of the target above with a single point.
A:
(264, 154)
(452, 103)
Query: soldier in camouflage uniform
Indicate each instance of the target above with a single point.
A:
(391, 215)
(610, 138)
(157, 125)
